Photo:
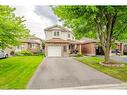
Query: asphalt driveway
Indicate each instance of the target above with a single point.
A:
(117, 58)
(67, 72)
(120, 58)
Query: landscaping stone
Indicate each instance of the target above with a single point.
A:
(111, 65)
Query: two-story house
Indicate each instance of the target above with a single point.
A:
(60, 42)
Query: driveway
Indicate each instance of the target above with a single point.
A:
(119, 58)
(67, 72)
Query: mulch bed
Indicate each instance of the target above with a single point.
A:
(111, 64)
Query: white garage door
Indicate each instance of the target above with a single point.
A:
(54, 51)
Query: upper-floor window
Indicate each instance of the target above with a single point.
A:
(56, 33)
(69, 35)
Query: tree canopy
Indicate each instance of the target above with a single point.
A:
(107, 23)
(12, 27)
(81, 19)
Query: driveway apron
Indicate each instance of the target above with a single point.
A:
(67, 72)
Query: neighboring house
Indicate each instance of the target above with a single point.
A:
(60, 42)
(122, 47)
(10, 50)
(33, 44)
(88, 46)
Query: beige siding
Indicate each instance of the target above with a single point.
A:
(63, 35)
(48, 35)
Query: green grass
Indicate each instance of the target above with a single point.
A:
(116, 72)
(15, 72)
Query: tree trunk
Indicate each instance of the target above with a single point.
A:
(107, 54)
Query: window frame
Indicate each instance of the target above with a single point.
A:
(56, 34)
(65, 48)
(69, 35)
(32, 45)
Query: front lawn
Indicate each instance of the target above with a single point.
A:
(117, 72)
(15, 72)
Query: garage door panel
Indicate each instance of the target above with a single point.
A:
(54, 51)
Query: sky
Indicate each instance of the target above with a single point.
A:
(37, 18)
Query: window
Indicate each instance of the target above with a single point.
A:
(32, 45)
(68, 35)
(65, 48)
(56, 33)
(18, 47)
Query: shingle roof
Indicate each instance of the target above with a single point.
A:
(88, 40)
(59, 27)
(30, 41)
(57, 40)
(74, 41)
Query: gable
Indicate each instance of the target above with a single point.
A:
(57, 27)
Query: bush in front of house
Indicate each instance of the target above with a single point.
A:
(24, 53)
(39, 54)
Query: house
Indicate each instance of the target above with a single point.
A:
(122, 47)
(91, 47)
(88, 46)
(60, 41)
(32, 43)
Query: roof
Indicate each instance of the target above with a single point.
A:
(57, 40)
(88, 40)
(34, 37)
(63, 29)
(30, 41)
(74, 41)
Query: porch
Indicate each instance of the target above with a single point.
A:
(74, 48)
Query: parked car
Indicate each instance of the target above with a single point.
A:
(3, 54)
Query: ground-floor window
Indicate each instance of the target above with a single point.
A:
(32, 46)
(65, 48)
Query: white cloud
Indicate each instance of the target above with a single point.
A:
(35, 22)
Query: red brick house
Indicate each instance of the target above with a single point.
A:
(88, 46)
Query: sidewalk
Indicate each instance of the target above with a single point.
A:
(107, 86)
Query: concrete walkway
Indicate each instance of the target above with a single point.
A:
(67, 72)
(122, 86)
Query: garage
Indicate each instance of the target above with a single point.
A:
(54, 51)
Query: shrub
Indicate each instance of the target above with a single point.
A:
(24, 53)
(39, 54)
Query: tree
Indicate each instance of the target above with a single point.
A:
(106, 23)
(12, 27)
